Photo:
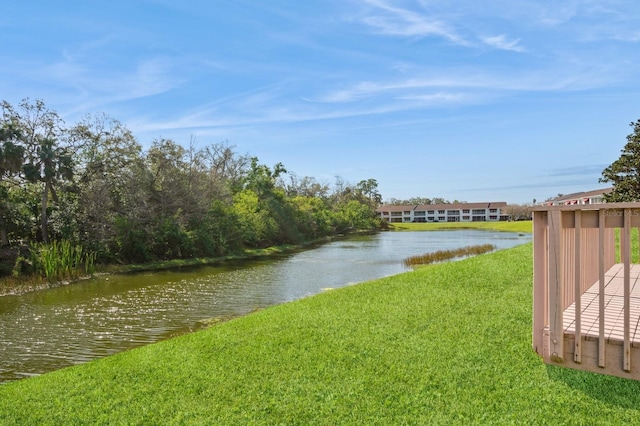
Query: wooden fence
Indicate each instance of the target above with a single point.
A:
(575, 248)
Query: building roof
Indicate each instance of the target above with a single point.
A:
(579, 195)
(460, 206)
(456, 206)
(394, 208)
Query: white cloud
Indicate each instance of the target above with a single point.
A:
(391, 20)
(558, 12)
(438, 98)
(87, 86)
(501, 42)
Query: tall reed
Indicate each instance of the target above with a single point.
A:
(442, 255)
(61, 260)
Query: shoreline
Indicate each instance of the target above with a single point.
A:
(31, 284)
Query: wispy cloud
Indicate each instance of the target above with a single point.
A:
(274, 104)
(591, 169)
(578, 77)
(557, 13)
(395, 88)
(392, 20)
(501, 42)
(584, 184)
(93, 87)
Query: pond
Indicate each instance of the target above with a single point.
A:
(51, 329)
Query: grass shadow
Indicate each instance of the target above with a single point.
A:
(610, 390)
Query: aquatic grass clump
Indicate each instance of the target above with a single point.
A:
(442, 255)
(61, 260)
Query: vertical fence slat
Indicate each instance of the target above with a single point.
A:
(556, 287)
(577, 354)
(540, 280)
(601, 285)
(626, 254)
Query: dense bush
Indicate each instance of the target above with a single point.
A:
(93, 185)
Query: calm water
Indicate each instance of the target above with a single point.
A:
(51, 329)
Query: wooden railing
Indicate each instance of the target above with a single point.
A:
(574, 246)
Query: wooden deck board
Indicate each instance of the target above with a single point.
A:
(614, 307)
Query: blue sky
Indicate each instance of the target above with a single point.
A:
(468, 100)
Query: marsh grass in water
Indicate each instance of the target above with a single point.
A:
(61, 260)
(444, 255)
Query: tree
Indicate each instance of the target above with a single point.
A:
(167, 163)
(369, 190)
(11, 154)
(418, 201)
(439, 200)
(354, 215)
(48, 162)
(313, 216)
(518, 211)
(11, 160)
(109, 165)
(225, 170)
(261, 179)
(266, 214)
(304, 187)
(624, 173)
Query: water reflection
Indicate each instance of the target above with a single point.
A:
(51, 329)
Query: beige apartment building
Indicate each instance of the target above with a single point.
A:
(460, 212)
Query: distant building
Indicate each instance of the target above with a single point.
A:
(460, 212)
(589, 197)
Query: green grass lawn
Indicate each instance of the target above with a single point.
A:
(520, 226)
(444, 344)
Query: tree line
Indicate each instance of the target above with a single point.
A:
(93, 184)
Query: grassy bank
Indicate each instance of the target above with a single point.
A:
(519, 226)
(445, 344)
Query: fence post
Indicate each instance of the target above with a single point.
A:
(626, 256)
(577, 355)
(601, 287)
(540, 280)
(556, 287)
